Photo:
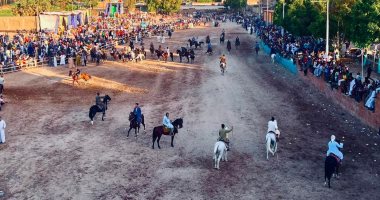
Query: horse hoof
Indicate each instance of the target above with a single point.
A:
(92, 122)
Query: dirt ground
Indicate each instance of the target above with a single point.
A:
(53, 152)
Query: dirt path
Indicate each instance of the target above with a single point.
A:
(52, 152)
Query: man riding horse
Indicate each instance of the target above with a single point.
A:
(167, 124)
(334, 149)
(223, 135)
(223, 59)
(137, 112)
(99, 101)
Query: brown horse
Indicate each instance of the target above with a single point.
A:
(158, 131)
(165, 56)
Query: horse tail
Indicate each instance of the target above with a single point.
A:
(90, 113)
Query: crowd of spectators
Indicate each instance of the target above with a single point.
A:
(308, 54)
(98, 40)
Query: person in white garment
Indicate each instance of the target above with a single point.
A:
(167, 123)
(272, 127)
(2, 130)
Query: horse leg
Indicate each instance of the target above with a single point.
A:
(172, 141)
(136, 132)
(154, 139)
(104, 114)
(130, 128)
(158, 141)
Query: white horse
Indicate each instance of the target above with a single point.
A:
(220, 152)
(271, 138)
(223, 67)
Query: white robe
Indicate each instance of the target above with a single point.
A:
(272, 126)
(352, 84)
(2, 130)
(62, 61)
(371, 100)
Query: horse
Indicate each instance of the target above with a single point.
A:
(229, 47)
(221, 41)
(159, 54)
(95, 109)
(133, 124)
(331, 167)
(223, 67)
(165, 56)
(332, 164)
(159, 130)
(220, 153)
(192, 55)
(183, 54)
(152, 50)
(271, 143)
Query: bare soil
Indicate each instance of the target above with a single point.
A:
(53, 152)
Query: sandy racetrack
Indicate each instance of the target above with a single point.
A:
(52, 151)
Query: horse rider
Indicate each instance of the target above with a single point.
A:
(273, 128)
(228, 45)
(167, 123)
(334, 148)
(99, 101)
(209, 48)
(223, 135)
(208, 39)
(137, 112)
(223, 59)
(237, 41)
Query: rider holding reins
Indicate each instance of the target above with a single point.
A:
(223, 59)
(223, 135)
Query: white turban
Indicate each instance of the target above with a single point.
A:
(332, 138)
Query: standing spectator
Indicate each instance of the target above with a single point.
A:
(2, 130)
(1, 84)
(369, 71)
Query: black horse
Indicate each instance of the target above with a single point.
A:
(133, 124)
(332, 164)
(229, 46)
(183, 53)
(159, 53)
(195, 43)
(221, 41)
(95, 109)
(159, 130)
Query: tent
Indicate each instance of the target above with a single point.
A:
(114, 7)
(52, 21)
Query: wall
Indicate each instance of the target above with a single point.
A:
(11, 24)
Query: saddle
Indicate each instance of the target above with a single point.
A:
(166, 130)
(336, 158)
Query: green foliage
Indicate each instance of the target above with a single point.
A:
(356, 20)
(165, 6)
(90, 3)
(30, 7)
(364, 23)
(205, 1)
(235, 4)
(130, 4)
(6, 13)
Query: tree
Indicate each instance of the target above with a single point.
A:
(90, 3)
(363, 25)
(235, 4)
(130, 4)
(165, 6)
(30, 7)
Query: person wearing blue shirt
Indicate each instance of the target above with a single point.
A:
(334, 148)
(137, 113)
